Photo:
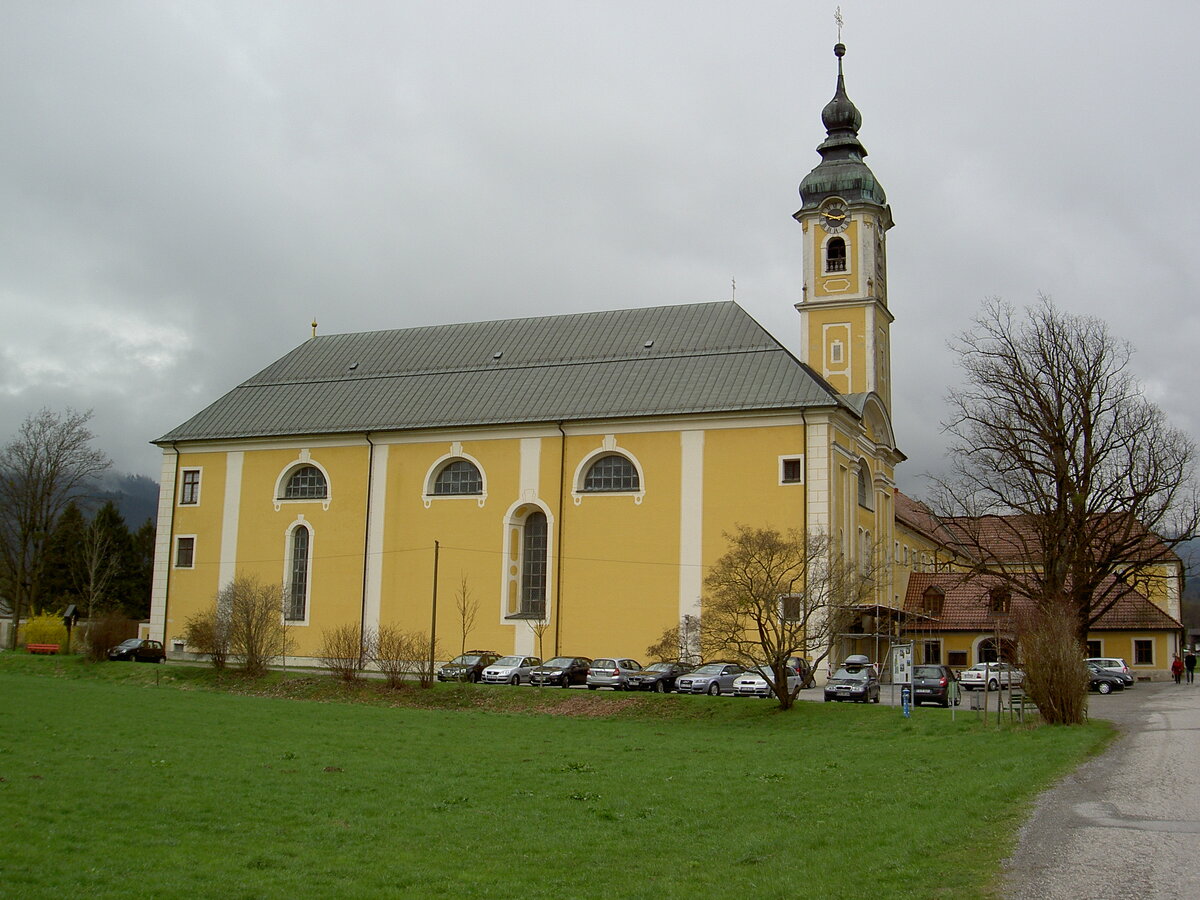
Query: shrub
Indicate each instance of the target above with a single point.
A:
(46, 629)
(103, 632)
(207, 633)
(1055, 674)
(345, 652)
(402, 655)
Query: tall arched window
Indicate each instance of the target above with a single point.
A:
(533, 565)
(611, 473)
(306, 483)
(457, 478)
(864, 485)
(835, 255)
(300, 556)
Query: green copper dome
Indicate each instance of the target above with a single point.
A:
(841, 171)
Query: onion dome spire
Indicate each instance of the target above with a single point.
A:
(841, 172)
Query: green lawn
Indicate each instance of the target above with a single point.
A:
(120, 779)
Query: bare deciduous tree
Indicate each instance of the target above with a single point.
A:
(404, 655)
(679, 643)
(775, 595)
(49, 463)
(467, 608)
(207, 632)
(1066, 481)
(94, 567)
(345, 650)
(245, 623)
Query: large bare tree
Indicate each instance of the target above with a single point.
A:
(48, 464)
(1066, 480)
(775, 595)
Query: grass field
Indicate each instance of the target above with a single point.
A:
(120, 779)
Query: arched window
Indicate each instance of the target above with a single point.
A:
(611, 473)
(457, 478)
(864, 485)
(835, 255)
(932, 601)
(306, 483)
(533, 565)
(300, 557)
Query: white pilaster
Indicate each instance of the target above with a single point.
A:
(230, 515)
(691, 514)
(162, 546)
(375, 522)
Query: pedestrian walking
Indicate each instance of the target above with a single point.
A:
(1177, 668)
(1189, 663)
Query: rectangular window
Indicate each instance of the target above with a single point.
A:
(185, 552)
(932, 652)
(1094, 649)
(1143, 652)
(790, 607)
(957, 659)
(791, 470)
(189, 490)
(835, 352)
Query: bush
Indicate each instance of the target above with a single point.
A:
(402, 655)
(1055, 674)
(46, 629)
(344, 652)
(103, 632)
(206, 633)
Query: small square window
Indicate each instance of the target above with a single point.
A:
(1094, 649)
(957, 659)
(791, 470)
(189, 491)
(185, 552)
(791, 608)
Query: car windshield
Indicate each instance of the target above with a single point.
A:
(558, 662)
(660, 667)
(132, 642)
(508, 661)
(604, 664)
(847, 675)
(710, 669)
(464, 660)
(927, 672)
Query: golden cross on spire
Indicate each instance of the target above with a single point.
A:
(837, 17)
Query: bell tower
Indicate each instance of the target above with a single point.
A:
(844, 319)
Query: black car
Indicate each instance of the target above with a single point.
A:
(855, 680)
(562, 670)
(1102, 681)
(659, 677)
(933, 684)
(138, 650)
(467, 667)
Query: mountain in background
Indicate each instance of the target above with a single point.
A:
(135, 496)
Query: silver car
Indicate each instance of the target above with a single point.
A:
(613, 672)
(757, 682)
(711, 678)
(510, 669)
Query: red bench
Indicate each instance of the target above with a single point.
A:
(42, 648)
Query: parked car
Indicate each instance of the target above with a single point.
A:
(467, 667)
(1103, 681)
(711, 678)
(992, 676)
(613, 672)
(856, 680)
(757, 682)
(1113, 664)
(933, 684)
(562, 670)
(510, 669)
(660, 677)
(138, 650)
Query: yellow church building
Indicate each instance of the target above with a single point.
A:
(579, 471)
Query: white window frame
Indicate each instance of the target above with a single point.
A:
(183, 473)
(308, 570)
(175, 551)
(791, 457)
(304, 459)
(1133, 642)
(456, 453)
(608, 448)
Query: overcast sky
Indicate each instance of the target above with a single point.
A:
(185, 186)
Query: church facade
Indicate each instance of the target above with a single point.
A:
(574, 476)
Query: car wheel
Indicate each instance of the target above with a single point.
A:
(1104, 687)
(591, 687)
(714, 689)
(566, 682)
(515, 680)
(875, 699)
(993, 685)
(162, 659)
(660, 687)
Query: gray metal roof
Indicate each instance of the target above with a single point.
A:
(704, 358)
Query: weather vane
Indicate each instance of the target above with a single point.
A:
(837, 17)
(733, 286)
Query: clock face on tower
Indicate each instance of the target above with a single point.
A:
(835, 217)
